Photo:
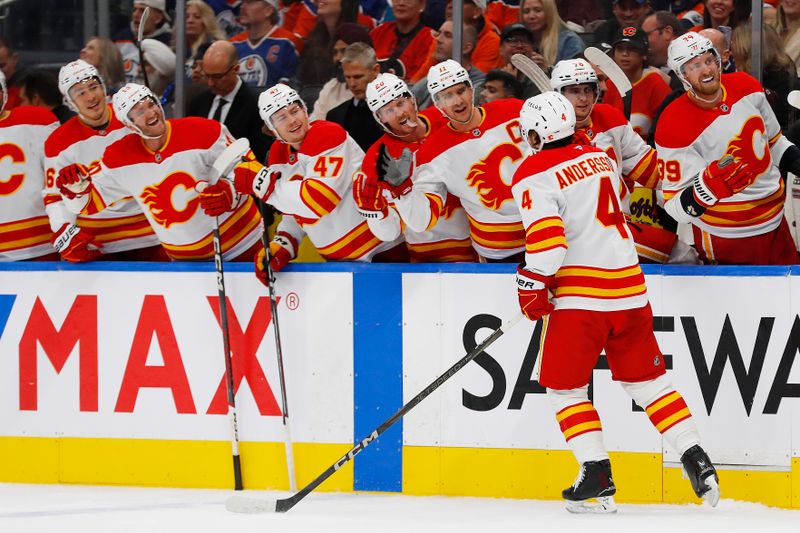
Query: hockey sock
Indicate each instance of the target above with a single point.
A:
(579, 422)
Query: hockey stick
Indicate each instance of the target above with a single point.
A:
(532, 71)
(140, 36)
(615, 74)
(242, 504)
(226, 161)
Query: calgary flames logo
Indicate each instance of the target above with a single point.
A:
(164, 199)
(751, 146)
(9, 183)
(485, 176)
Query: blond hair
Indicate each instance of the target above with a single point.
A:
(547, 38)
(211, 30)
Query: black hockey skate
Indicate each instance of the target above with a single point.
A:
(702, 474)
(594, 482)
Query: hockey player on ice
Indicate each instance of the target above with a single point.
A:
(580, 252)
(162, 164)
(395, 109)
(721, 152)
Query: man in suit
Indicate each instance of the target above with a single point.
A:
(360, 67)
(228, 99)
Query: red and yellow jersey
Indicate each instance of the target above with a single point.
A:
(415, 53)
(448, 240)
(688, 138)
(576, 231)
(119, 227)
(163, 184)
(647, 94)
(316, 189)
(24, 227)
(476, 166)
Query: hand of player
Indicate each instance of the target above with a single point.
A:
(396, 173)
(282, 250)
(251, 177)
(73, 181)
(534, 300)
(369, 198)
(721, 179)
(76, 245)
(217, 198)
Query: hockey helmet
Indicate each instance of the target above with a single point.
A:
(76, 72)
(127, 97)
(685, 48)
(273, 100)
(550, 115)
(385, 89)
(444, 75)
(572, 72)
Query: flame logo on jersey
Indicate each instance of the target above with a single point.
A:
(10, 184)
(751, 146)
(485, 176)
(163, 198)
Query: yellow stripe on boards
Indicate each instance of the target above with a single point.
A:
(768, 488)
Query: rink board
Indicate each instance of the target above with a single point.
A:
(112, 373)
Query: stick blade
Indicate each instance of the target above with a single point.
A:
(794, 99)
(611, 69)
(229, 158)
(250, 505)
(532, 71)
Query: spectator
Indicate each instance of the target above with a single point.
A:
(335, 91)
(360, 67)
(626, 13)
(486, 56)
(105, 57)
(501, 13)
(201, 27)
(552, 41)
(299, 17)
(518, 39)
(40, 89)
(159, 62)
(787, 24)
(228, 99)
(722, 44)
(500, 84)
(226, 13)
(156, 27)
(406, 38)
(444, 50)
(583, 12)
(729, 13)
(661, 28)
(267, 54)
(11, 69)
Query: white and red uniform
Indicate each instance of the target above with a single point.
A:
(448, 240)
(475, 166)
(688, 138)
(647, 94)
(24, 228)
(163, 184)
(315, 189)
(121, 226)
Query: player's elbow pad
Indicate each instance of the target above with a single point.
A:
(790, 161)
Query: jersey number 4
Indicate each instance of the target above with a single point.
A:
(608, 212)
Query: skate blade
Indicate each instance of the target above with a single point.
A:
(601, 505)
(712, 495)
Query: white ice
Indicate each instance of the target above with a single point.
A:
(91, 509)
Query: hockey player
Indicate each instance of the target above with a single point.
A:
(473, 158)
(395, 109)
(161, 166)
(736, 210)
(580, 251)
(118, 232)
(24, 228)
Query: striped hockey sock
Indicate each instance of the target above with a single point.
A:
(671, 417)
(581, 427)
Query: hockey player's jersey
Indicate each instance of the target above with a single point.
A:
(689, 138)
(24, 228)
(272, 59)
(316, 189)
(448, 240)
(163, 184)
(119, 227)
(477, 167)
(647, 94)
(413, 55)
(575, 229)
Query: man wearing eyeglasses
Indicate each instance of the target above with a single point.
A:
(661, 28)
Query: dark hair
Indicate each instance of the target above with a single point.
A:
(740, 14)
(42, 84)
(665, 18)
(316, 61)
(510, 82)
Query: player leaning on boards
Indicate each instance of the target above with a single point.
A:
(581, 251)
(395, 109)
(736, 210)
(161, 164)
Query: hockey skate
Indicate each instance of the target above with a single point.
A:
(594, 482)
(702, 474)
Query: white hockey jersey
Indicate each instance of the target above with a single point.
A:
(576, 231)
(24, 228)
(121, 226)
(689, 138)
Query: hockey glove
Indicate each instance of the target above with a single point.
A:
(217, 198)
(532, 290)
(73, 181)
(369, 198)
(396, 173)
(243, 175)
(76, 245)
(721, 179)
(283, 249)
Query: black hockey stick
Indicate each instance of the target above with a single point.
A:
(241, 504)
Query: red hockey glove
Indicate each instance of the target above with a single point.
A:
(76, 245)
(369, 198)
(73, 181)
(243, 175)
(283, 249)
(721, 179)
(216, 199)
(395, 174)
(534, 300)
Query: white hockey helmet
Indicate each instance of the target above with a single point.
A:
(550, 115)
(444, 75)
(4, 88)
(385, 89)
(76, 72)
(572, 72)
(685, 48)
(273, 100)
(127, 97)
